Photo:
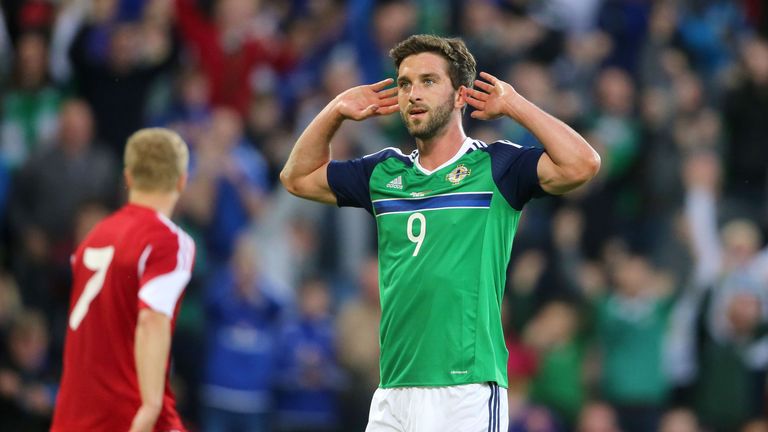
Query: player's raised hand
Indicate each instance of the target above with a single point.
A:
(489, 97)
(361, 102)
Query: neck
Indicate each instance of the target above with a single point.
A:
(163, 202)
(435, 151)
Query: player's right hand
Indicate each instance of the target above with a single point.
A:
(362, 102)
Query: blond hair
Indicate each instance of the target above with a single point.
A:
(156, 158)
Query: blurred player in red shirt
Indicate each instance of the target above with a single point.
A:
(128, 278)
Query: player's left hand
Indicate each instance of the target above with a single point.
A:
(489, 97)
(145, 419)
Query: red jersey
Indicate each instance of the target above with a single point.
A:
(135, 258)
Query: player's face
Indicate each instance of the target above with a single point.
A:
(426, 96)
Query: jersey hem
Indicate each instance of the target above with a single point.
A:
(401, 385)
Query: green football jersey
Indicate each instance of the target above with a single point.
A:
(444, 241)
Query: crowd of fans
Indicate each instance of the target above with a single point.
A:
(638, 303)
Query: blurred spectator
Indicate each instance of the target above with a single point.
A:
(626, 21)
(532, 81)
(746, 153)
(227, 183)
(242, 329)
(233, 49)
(759, 425)
(10, 307)
(729, 302)
(117, 80)
(613, 121)
(374, 28)
(558, 384)
(709, 31)
(49, 188)
(5, 49)
(316, 35)
(190, 112)
(631, 323)
(679, 420)
(616, 134)
(31, 105)
(264, 131)
(308, 375)
(28, 378)
(576, 69)
(534, 419)
(358, 341)
(574, 18)
(23, 16)
(597, 417)
(660, 58)
(523, 297)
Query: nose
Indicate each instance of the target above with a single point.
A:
(413, 95)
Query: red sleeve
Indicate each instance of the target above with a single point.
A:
(165, 268)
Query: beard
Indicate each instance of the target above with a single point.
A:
(435, 122)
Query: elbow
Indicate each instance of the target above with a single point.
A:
(591, 167)
(579, 174)
(290, 184)
(586, 170)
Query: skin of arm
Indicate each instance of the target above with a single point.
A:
(568, 161)
(304, 174)
(152, 346)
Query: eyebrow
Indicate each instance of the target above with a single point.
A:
(429, 75)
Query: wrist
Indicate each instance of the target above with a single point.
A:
(152, 409)
(333, 111)
(515, 105)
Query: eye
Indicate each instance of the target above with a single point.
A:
(429, 81)
(404, 84)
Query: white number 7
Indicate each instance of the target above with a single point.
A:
(98, 260)
(418, 239)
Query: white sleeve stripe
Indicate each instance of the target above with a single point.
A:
(143, 260)
(162, 292)
(507, 142)
(186, 251)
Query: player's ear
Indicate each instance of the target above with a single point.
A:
(461, 97)
(128, 178)
(181, 183)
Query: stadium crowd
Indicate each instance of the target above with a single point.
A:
(637, 304)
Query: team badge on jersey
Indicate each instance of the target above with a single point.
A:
(458, 174)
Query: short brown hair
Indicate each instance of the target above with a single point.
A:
(461, 63)
(156, 158)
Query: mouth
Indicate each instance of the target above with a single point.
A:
(417, 113)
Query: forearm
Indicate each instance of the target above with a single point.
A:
(701, 215)
(152, 347)
(311, 152)
(574, 158)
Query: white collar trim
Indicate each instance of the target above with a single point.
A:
(465, 146)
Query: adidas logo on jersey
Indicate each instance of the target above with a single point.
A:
(396, 183)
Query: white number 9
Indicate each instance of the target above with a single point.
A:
(418, 239)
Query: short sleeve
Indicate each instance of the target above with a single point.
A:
(349, 182)
(515, 172)
(165, 267)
